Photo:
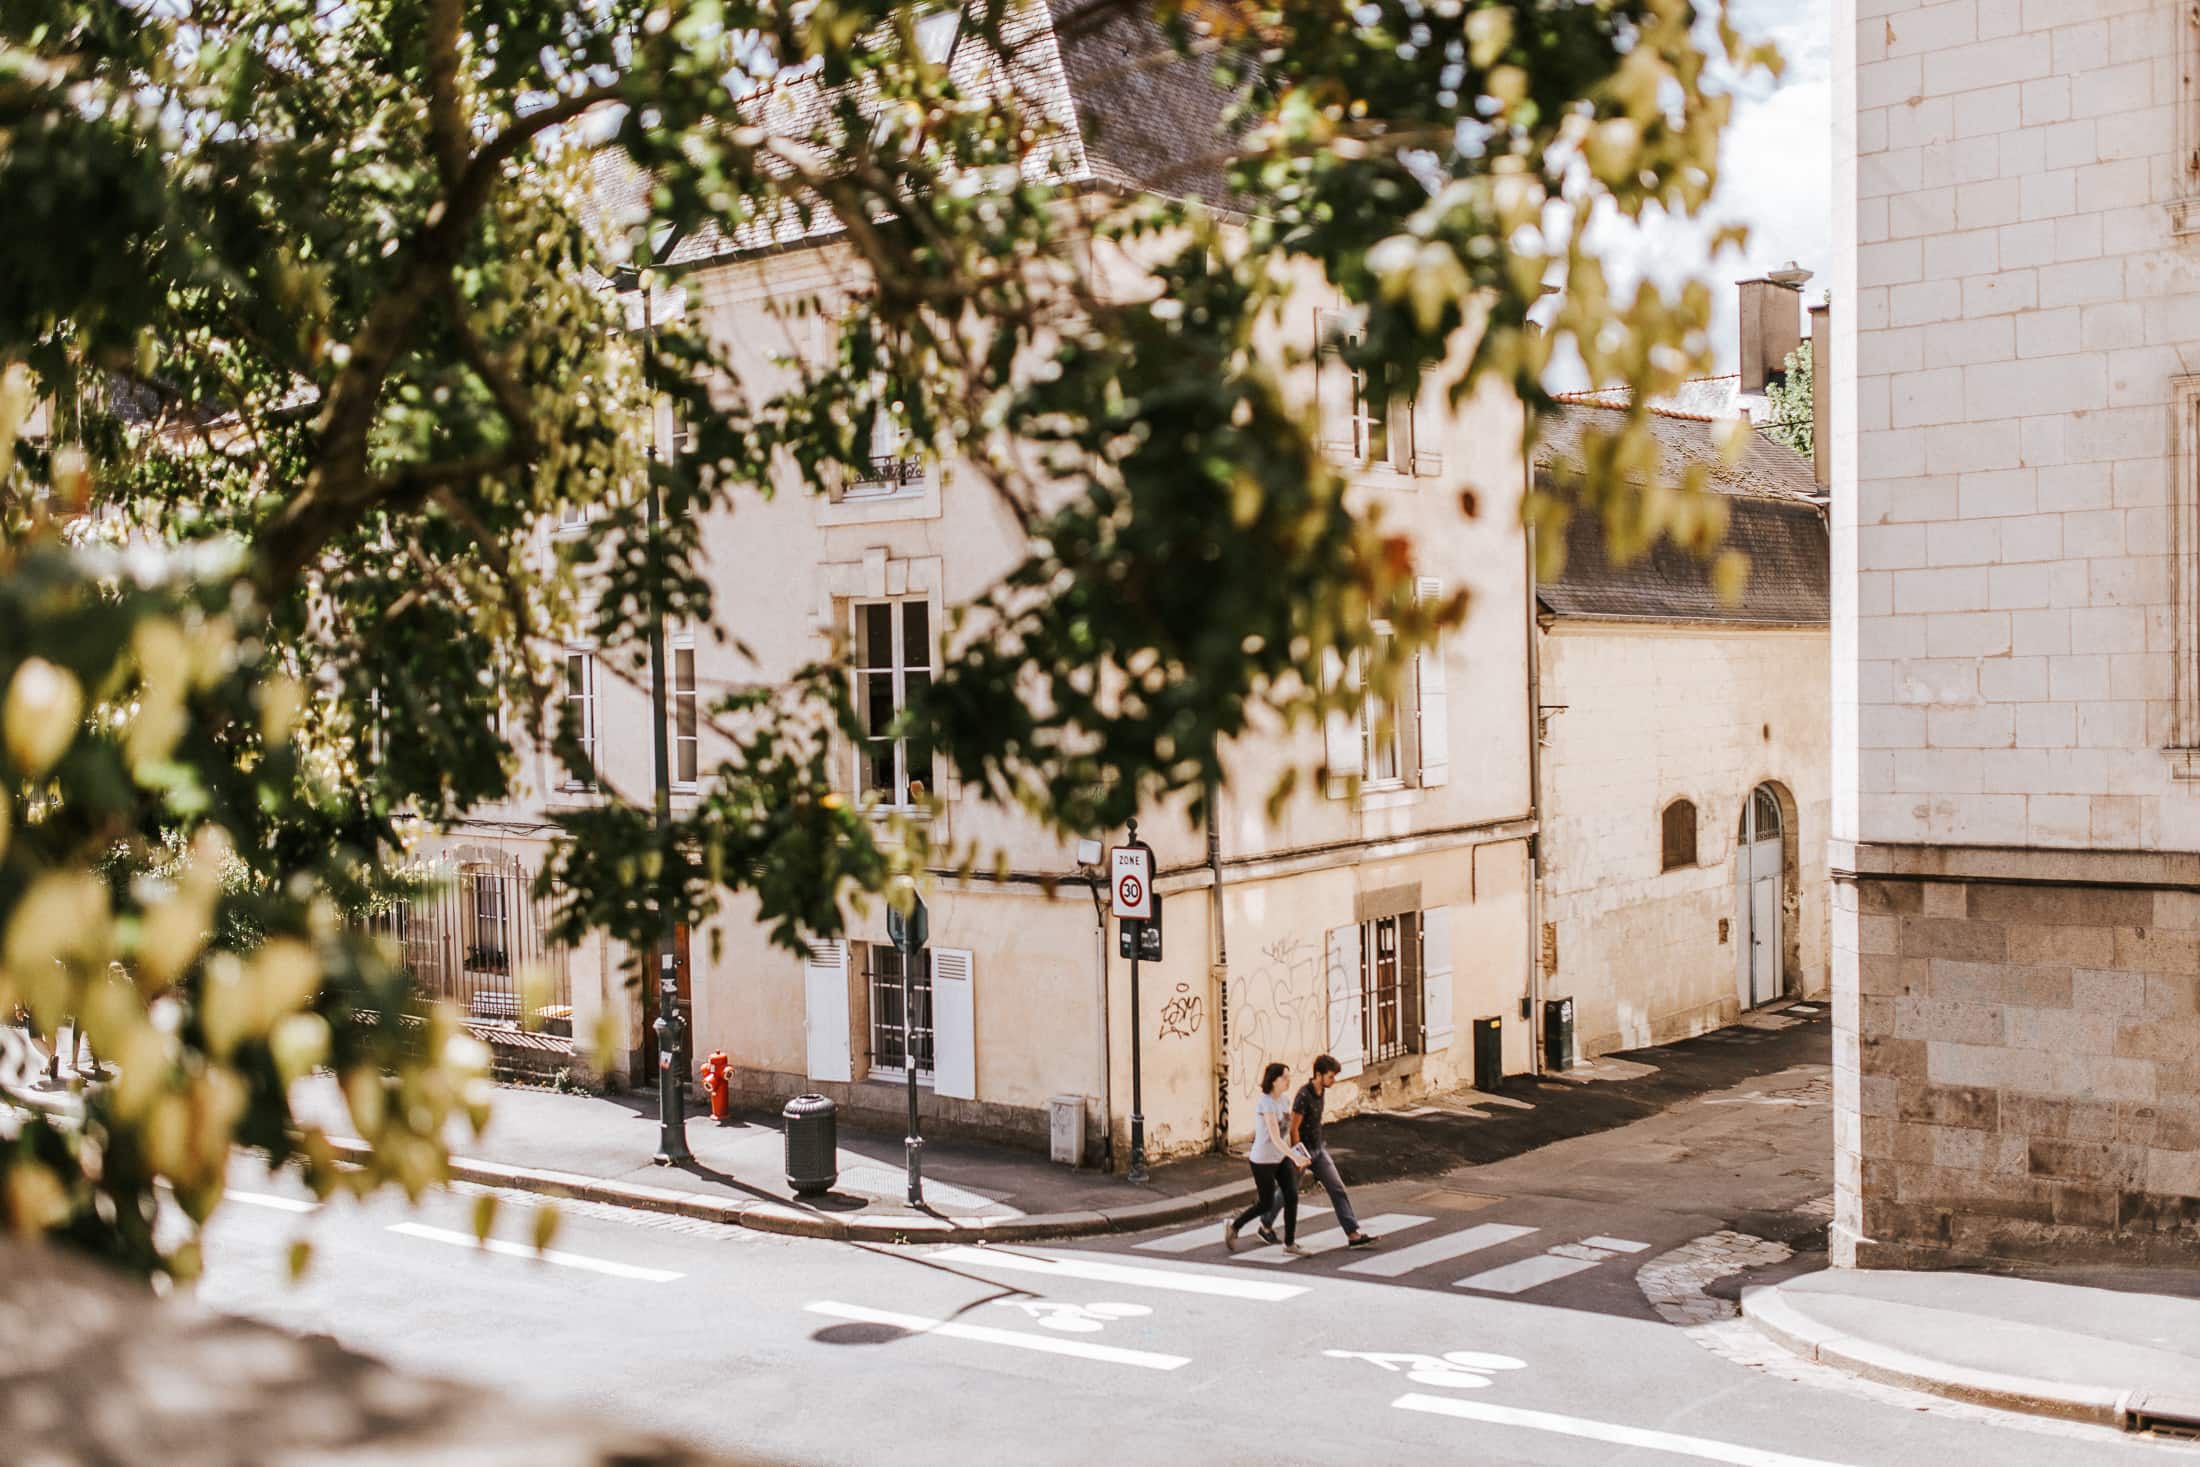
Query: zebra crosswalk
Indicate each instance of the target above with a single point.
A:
(1404, 1251)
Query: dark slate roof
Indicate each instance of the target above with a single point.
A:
(1130, 111)
(1776, 520)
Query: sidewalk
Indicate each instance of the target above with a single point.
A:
(599, 1149)
(2118, 1347)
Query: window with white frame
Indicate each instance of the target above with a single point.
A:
(893, 466)
(1367, 419)
(1390, 986)
(891, 1039)
(580, 714)
(572, 517)
(1382, 755)
(684, 735)
(893, 668)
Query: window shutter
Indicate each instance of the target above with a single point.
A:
(1344, 748)
(1423, 411)
(1403, 441)
(1431, 713)
(1333, 384)
(825, 1011)
(1436, 980)
(1344, 999)
(954, 1025)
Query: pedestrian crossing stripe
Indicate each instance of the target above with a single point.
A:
(1517, 1278)
(1329, 1239)
(1390, 1265)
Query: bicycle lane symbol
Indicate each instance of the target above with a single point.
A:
(1459, 1370)
(1075, 1318)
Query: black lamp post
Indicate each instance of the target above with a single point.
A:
(672, 1145)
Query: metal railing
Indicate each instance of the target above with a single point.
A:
(474, 938)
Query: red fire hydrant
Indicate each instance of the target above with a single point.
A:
(717, 1073)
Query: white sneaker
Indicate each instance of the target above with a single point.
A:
(1229, 1237)
(1296, 1251)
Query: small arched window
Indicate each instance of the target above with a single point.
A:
(1680, 834)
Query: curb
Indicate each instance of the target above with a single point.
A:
(794, 1220)
(1796, 1331)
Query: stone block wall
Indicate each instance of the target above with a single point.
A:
(2017, 1073)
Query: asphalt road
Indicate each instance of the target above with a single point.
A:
(1511, 1316)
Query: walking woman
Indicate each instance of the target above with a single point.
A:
(1273, 1171)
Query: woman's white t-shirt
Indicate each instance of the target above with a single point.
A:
(1265, 1151)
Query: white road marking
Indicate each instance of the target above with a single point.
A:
(1616, 1245)
(1328, 1239)
(1116, 1273)
(1190, 1240)
(1437, 1250)
(1044, 1344)
(1516, 1278)
(272, 1201)
(1702, 1448)
(521, 1250)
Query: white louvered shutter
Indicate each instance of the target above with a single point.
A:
(1431, 711)
(1344, 751)
(1344, 999)
(954, 1024)
(1333, 396)
(1436, 980)
(825, 1011)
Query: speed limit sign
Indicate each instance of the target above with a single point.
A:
(1130, 873)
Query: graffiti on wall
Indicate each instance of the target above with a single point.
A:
(1182, 1015)
(1278, 1009)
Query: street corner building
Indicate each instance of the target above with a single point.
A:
(1682, 769)
(2016, 817)
(1387, 914)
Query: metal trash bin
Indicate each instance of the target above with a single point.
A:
(813, 1144)
(1558, 1033)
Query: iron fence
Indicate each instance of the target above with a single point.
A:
(474, 938)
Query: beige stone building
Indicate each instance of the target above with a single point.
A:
(1376, 918)
(1683, 765)
(2016, 823)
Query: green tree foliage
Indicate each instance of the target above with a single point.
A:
(1791, 422)
(330, 322)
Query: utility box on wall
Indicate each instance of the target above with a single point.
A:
(1066, 1129)
(1558, 1033)
(1489, 1053)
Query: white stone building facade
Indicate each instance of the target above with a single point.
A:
(2015, 820)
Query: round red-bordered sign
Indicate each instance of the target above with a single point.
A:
(1131, 891)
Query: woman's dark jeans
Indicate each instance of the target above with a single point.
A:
(1274, 1177)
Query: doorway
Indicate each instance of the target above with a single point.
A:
(1760, 876)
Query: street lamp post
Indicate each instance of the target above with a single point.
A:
(672, 1145)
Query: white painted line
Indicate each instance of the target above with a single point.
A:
(521, 1250)
(1044, 1344)
(272, 1201)
(1328, 1239)
(1437, 1250)
(1116, 1273)
(1516, 1278)
(1702, 1448)
(1206, 1235)
(1616, 1245)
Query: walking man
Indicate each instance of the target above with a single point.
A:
(1306, 1131)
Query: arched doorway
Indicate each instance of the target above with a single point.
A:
(1760, 878)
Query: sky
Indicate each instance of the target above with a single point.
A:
(1775, 175)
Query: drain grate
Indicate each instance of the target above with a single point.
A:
(2171, 1416)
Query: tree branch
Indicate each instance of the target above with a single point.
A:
(446, 117)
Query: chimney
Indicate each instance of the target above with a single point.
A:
(1821, 396)
(1771, 326)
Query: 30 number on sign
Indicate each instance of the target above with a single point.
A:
(1130, 878)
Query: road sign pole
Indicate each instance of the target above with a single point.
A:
(1138, 1109)
(910, 931)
